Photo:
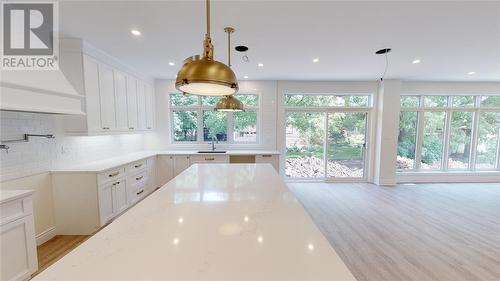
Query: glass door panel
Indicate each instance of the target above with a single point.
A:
(346, 144)
(305, 134)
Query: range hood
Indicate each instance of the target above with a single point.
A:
(43, 91)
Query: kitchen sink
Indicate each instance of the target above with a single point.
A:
(210, 151)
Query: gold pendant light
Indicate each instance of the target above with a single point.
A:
(206, 76)
(229, 103)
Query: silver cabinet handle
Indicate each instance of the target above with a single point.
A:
(130, 128)
(267, 156)
(210, 159)
(138, 165)
(114, 174)
(139, 178)
(105, 128)
(116, 183)
(138, 193)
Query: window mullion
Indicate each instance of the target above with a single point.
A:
(474, 140)
(498, 149)
(199, 125)
(446, 140)
(420, 136)
(230, 127)
(326, 145)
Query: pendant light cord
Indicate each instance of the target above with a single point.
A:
(386, 66)
(208, 17)
(229, 49)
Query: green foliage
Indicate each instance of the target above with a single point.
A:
(435, 101)
(184, 125)
(325, 100)
(410, 101)
(215, 122)
(245, 119)
(490, 101)
(183, 100)
(407, 134)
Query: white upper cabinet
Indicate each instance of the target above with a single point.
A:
(150, 112)
(91, 82)
(107, 94)
(141, 105)
(116, 101)
(132, 102)
(121, 101)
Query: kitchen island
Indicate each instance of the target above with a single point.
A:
(211, 222)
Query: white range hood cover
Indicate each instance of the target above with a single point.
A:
(46, 91)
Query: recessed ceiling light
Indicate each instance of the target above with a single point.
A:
(415, 61)
(315, 60)
(135, 32)
(171, 63)
(260, 65)
(471, 72)
(246, 77)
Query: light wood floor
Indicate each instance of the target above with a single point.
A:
(409, 232)
(56, 248)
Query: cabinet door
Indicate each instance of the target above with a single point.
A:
(106, 203)
(132, 102)
(107, 97)
(121, 101)
(92, 97)
(141, 106)
(268, 158)
(150, 112)
(120, 202)
(18, 249)
(151, 173)
(165, 169)
(181, 163)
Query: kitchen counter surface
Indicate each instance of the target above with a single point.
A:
(212, 222)
(110, 163)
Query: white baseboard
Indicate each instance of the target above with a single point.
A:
(45, 236)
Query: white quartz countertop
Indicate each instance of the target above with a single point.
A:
(8, 195)
(110, 163)
(212, 222)
(106, 164)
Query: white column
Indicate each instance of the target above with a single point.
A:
(387, 129)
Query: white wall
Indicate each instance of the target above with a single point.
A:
(266, 127)
(27, 164)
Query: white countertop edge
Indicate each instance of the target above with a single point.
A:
(9, 195)
(110, 163)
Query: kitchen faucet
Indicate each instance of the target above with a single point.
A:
(213, 142)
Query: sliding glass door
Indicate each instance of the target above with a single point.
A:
(346, 144)
(305, 139)
(327, 145)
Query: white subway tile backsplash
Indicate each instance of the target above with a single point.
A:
(40, 154)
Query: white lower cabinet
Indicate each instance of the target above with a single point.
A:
(17, 232)
(268, 158)
(181, 163)
(85, 202)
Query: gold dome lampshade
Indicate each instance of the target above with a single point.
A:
(206, 76)
(229, 103)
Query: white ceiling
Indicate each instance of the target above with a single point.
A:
(450, 38)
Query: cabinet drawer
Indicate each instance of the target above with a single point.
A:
(136, 166)
(138, 178)
(110, 175)
(210, 159)
(137, 191)
(15, 209)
